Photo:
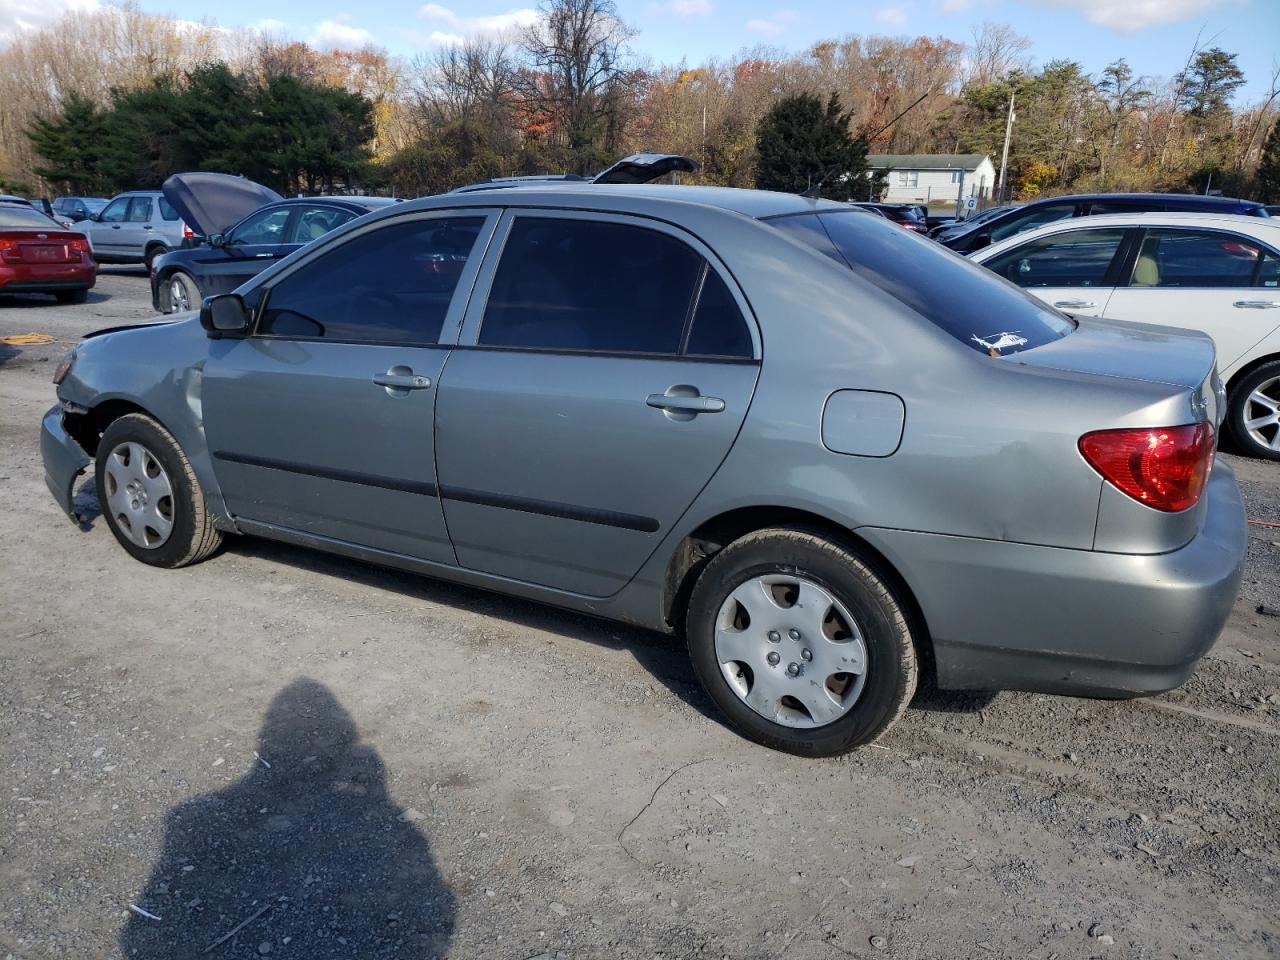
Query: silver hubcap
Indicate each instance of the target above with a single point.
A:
(178, 296)
(1262, 414)
(139, 495)
(791, 651)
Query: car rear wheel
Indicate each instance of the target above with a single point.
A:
(152, 252)
(801, 643)
(179, 293)
(150, 496)
(1254, 412)
(72, 296)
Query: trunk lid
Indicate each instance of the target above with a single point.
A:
(1183, 359)
(42, 246)
(212, 202)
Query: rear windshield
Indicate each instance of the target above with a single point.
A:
(967, 301)
(12, 215)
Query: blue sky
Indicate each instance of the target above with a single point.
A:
(1154, 35)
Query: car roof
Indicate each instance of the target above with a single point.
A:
(1262, 228)
(757, 204)
(1187, 199)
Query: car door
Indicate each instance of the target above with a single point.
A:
(605, 369)
(320, 421)
(246, 250)
(137, 230)
(106, 233)
(1073, 269)
(1215, 280)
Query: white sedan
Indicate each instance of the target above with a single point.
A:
(1210, 272)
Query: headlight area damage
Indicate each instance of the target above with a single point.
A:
(64, 458)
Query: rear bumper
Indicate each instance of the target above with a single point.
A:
(64, 460)
(1021, 617)
(47, 277)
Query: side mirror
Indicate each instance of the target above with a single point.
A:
(224, 314)
(216, 240)
(982, 240)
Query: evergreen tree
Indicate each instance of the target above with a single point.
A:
(72, 145)
(1269, 167)
(802, 145)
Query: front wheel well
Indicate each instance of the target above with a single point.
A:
(87, 428)
(709, 538)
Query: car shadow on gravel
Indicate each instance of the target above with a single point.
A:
(305, 858)
(7, 353)
(31, 300)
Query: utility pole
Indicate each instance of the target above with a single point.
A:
(1004, 157)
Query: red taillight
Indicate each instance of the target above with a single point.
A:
(1163, 467)
(10, 252)
(78, 243)
(187, 232)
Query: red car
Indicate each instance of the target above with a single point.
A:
(37, 255)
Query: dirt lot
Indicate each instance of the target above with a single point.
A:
(454, 773)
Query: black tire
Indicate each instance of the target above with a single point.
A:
(189, 285)
(72, 296)
(1240, 409)
(193, 536)
(891, 662)
(157, 250)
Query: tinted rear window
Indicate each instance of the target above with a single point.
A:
(13, 215)
(967, 301)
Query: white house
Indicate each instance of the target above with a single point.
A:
(923, 177)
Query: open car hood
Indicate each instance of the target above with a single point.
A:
(645, 168)
(212, 202)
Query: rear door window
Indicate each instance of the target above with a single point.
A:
(390, 285)
(1198, 258)
(166, 210)
(140, 210)
(966, 300)
(1074, 258)
(314, 222)
(607, 287)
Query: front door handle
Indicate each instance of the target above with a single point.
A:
(1256, 304)
(1077, 304)
(399, 380)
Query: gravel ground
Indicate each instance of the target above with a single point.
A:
(364, 764)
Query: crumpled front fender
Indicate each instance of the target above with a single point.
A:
(64, 460)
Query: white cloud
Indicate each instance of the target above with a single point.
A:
(17, 16)
(893, 16)
(686, 9)
(339, 34)
(1130, 16)
(452, 27)
(268, 25)
(774, 25)
(955, 6)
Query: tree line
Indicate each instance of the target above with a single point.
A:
(114, 98)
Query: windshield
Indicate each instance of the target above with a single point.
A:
(16, 216)
(969, 302)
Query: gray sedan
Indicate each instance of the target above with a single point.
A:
(831, 454)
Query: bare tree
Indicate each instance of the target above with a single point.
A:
(579, 69)
(996, 51)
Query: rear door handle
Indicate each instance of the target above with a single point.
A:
(1074, 303)
(1256, 304)
(683, 404)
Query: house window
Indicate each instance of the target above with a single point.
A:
(955, 176)
(908, 178)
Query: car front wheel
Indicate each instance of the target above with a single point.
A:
(150, 496)
(801, 643)
(179, 294)
(1254, 412)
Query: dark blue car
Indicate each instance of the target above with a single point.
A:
(263, 228)
(1040, 212)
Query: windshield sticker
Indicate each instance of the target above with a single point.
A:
(1000, 341)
